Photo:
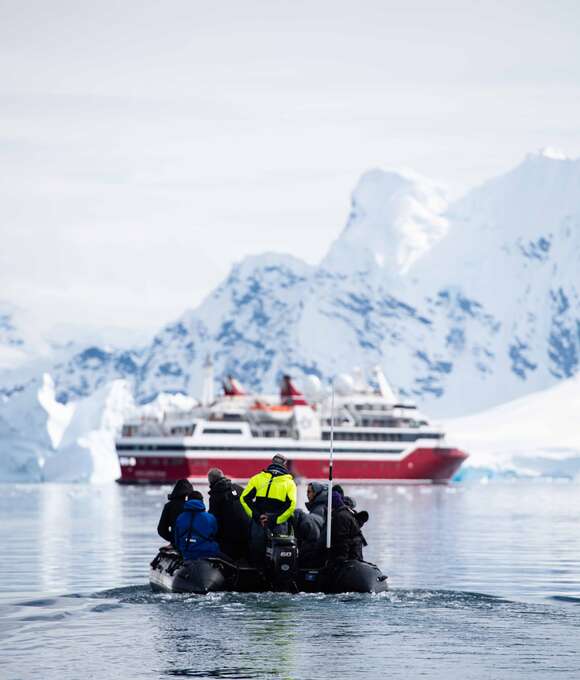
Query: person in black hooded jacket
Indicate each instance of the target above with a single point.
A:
(171, 510)
(346, 536)
(233, 523)
(361, 517)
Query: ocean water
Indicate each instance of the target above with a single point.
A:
(484, 584)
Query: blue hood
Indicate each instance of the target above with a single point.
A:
(194, 504)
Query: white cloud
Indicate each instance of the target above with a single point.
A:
(145, 146)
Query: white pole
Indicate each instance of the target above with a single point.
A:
(329, 507)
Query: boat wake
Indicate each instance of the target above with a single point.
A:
(413, 598)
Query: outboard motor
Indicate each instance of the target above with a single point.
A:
(282, 562)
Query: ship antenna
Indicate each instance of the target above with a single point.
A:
(329, 508)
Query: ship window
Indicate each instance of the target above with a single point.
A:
(219, 430)
(185, 430)
(180, 429)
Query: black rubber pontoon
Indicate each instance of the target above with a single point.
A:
(169, 573)
(352, 576)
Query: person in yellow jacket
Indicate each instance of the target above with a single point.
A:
(269, 499)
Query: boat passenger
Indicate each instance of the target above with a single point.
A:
(347, 500)
(309, 527)
(269, 500)
(171, 510)
(233, 523)
(361, 517)
(346, 539)
(195, 530)
(309, 532)
(317, 495)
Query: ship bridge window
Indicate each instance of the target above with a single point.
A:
(184, 430)
(129, 430)
(220, 430)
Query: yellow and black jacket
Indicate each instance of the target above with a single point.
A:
(272, 492)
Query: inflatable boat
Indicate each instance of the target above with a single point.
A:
(280, 573)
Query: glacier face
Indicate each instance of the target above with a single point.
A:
(465, 305)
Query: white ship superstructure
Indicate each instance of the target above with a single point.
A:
(376, 436)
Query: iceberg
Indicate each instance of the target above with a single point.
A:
(44, 440)
(86, 451)
(32, 424)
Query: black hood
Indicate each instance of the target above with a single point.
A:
(221, 485)
(181, 489)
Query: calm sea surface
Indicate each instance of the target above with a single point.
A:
(485, 583)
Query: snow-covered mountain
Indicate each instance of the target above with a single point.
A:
(512, 256)
(464, 305)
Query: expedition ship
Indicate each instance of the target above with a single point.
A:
(377, 437)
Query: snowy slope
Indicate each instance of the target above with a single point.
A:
(465, 306)
(510, 258)
(247, 325)
(395, 218)
(536, 435)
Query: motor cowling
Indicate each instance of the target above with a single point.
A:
(282, 560)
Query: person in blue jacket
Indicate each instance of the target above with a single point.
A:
(196, 529)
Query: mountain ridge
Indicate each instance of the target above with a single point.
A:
(464, 305)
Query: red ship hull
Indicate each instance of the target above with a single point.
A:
(420, 465)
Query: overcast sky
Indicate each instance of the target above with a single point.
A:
(146, 146)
